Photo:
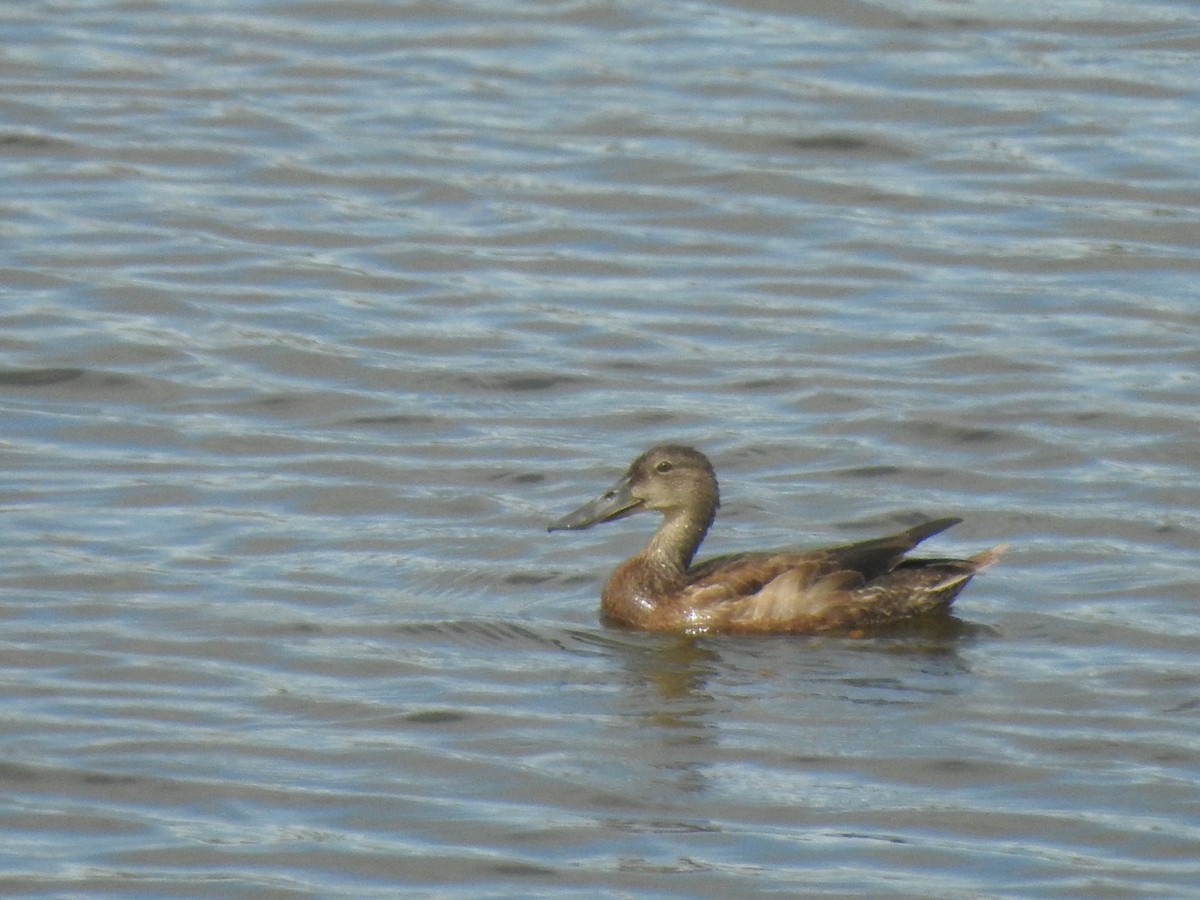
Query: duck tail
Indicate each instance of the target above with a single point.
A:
(981, 561)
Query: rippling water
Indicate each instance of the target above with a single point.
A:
(313, 315)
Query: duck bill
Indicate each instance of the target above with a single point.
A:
(615, 503)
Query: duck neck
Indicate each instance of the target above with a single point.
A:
(650, 581)
(677, 539)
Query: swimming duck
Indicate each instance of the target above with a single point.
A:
(847, 589)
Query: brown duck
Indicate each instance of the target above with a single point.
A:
(847, 589)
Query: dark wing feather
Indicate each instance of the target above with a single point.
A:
(879, 556)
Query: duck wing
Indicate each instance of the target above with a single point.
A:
(840, 588)
(746, 573)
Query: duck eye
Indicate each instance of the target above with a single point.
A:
(664, 467)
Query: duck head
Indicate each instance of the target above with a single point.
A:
(671, 478)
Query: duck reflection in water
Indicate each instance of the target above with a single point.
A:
(848, 589)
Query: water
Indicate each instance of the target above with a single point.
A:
(312, 316)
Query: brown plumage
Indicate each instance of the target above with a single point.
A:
(844, 589)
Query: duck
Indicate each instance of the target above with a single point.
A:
(851, 589)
